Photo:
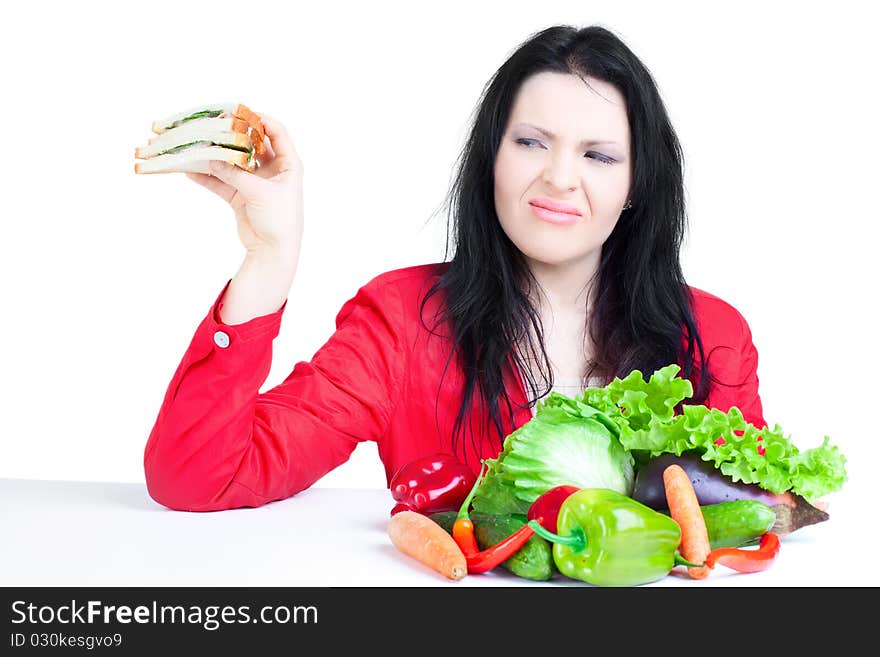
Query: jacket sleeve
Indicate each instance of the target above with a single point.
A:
(218, 443)
(734, 369)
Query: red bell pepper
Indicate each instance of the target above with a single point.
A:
(438, 482)
(547, 506)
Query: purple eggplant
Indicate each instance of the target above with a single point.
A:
(710, 484)
(713, 486)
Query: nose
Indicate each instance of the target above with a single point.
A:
(561, 172)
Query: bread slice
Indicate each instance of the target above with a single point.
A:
(172, 140)
(210, 110)
(227, 124)
(196, 159)
(214, 110)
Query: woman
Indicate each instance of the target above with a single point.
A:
(453, 356)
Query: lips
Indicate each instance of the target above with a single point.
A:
(562, 218)
(555, 206)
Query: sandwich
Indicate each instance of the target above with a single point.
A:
(189, 140)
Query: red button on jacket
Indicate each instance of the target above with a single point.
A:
(220, 444)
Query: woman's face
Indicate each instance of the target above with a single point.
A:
(582, 160)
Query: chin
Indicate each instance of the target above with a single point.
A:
(552, 257)
(551, 246)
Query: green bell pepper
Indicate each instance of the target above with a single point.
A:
(608, 539)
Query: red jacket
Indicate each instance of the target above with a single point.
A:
(219, 444)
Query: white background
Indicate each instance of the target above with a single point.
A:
(105, 275)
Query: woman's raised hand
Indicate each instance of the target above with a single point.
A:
(268, 202)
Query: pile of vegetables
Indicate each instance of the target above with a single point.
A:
(615, 488)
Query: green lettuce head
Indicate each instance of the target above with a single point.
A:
(561, 445)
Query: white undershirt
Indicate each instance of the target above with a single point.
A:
(569, 386)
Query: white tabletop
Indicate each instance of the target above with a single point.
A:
(70, 533)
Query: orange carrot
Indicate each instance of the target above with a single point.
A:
(422, 538)
(684, 508)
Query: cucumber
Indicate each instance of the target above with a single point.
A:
(446, 519)
(737, 522)
(534, 560)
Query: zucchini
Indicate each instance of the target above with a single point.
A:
(534, 560)
(737, 522)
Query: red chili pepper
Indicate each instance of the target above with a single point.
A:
(745, 560)
(431, 484)
(547, 505)
(481, 561)
(491, 557)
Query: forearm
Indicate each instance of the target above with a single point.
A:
(206, 423)
(259, 288)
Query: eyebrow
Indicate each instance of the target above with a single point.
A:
(585, 142)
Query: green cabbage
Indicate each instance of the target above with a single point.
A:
(560, 445)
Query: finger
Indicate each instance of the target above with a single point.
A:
(216, 185)
(244, 182)
(286, 157)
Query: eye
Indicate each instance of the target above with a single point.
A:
(602, 159)
(526, 142)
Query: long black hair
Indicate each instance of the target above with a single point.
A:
(641, 314)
